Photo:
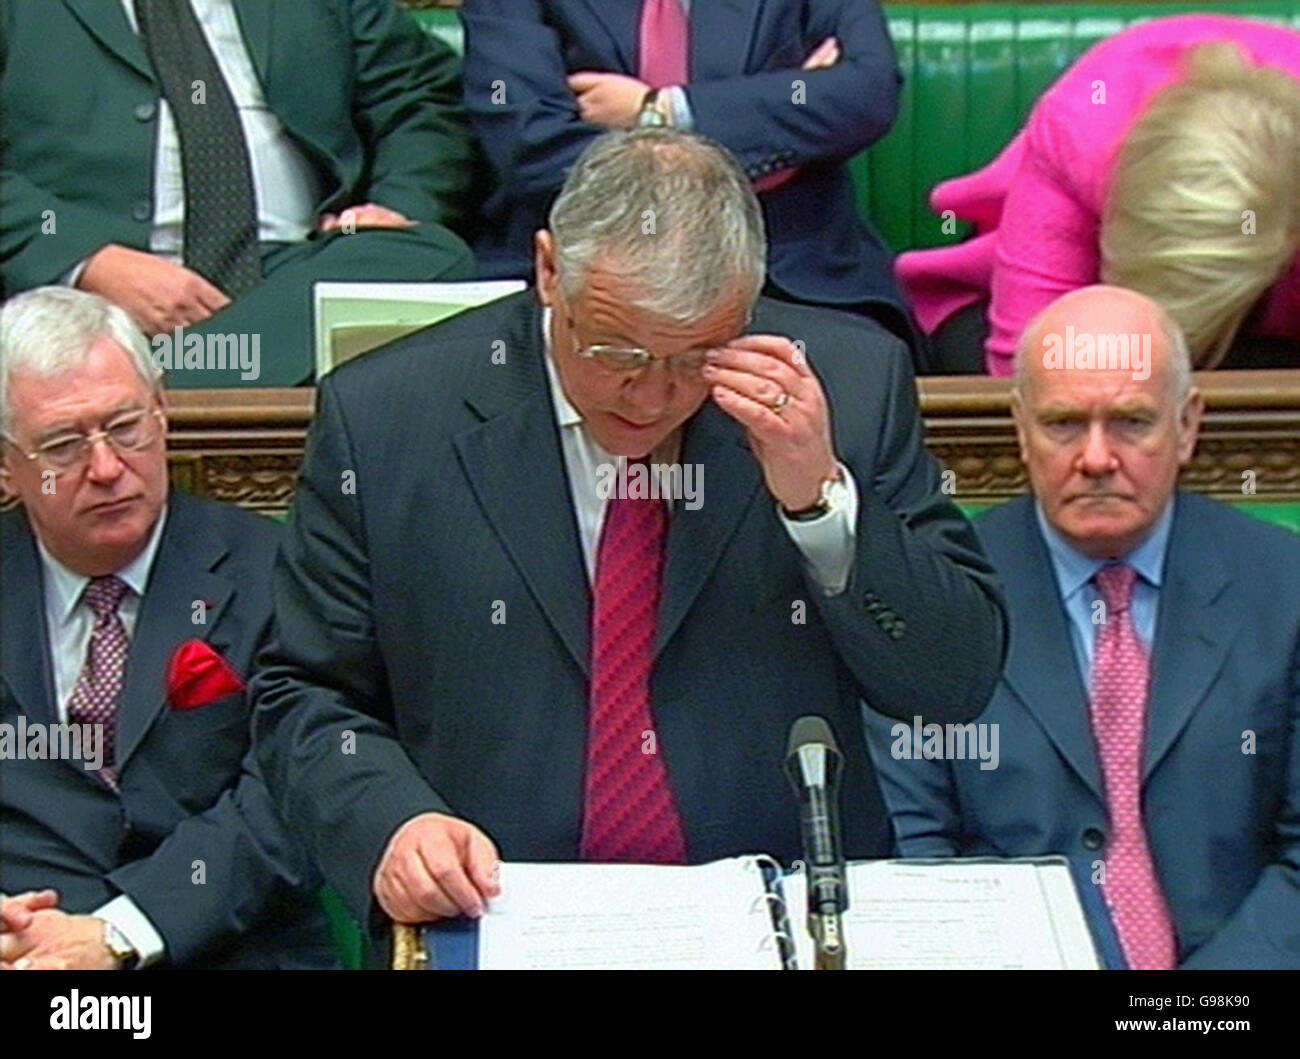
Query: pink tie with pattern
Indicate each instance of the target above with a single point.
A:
(629, 810)
(665, 47)
(99, 685)
(1120, 678)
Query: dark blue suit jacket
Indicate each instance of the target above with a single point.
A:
(1223, 824)
(190, 790)
(745, 54)
(434, 497)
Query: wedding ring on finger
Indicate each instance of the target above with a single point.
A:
(782, 399)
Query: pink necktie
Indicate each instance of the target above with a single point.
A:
(665, 44)
(1120, 676)
(629, 810)
(99, 685)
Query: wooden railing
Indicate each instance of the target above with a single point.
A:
(245, 446)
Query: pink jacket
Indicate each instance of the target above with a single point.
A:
(1037, 206)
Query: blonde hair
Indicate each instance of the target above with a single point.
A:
(1224, 140)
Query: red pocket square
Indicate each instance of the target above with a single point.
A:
(199, 675)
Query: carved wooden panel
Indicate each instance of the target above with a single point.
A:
(245, 445)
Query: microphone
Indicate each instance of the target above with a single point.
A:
(813, 764)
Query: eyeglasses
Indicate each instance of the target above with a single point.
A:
(127, 433)
(630, 359)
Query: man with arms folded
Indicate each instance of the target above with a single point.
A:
(1149, 711)
(793, 88)
(483, 647)
(134, 614)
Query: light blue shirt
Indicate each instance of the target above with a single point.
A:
(1075, 571)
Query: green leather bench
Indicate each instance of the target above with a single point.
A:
(971, 74)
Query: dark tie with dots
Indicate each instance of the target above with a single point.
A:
(220, 204)
(99, 686)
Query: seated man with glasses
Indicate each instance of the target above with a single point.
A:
(516, 664)
(134, 827)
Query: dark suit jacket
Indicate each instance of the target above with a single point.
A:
(434, 491)
(369, 98)
(1223, 824)
(190, 789)
(744, 57)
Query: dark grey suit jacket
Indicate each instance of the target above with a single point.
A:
(190, 789)
(1221, 774)
(434, 487)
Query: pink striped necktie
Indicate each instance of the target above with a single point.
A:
(665, 44)
(1120, 679)
(629, 813)
(99, 685)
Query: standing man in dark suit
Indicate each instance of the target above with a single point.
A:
(793, 88)
(1149, 714)
(201, 163)
(131, 617)
(495, 636)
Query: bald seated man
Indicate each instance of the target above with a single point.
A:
(1149, 711)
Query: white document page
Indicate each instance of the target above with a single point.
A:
(623, 917)
(954, 915)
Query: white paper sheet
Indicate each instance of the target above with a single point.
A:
(619, 917)
(955, 914)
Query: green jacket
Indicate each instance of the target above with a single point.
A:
(370, 98)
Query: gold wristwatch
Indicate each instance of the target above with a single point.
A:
(123, 951)
(833, 494)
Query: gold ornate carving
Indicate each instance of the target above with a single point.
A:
(409, 952)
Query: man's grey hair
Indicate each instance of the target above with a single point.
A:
(1180, 357)
(49, 330)
(671, 212)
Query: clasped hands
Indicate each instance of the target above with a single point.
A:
(162, 295)
(36, 935)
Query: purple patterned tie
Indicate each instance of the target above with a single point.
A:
(99, 685)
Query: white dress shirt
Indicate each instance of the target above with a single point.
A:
(69, 622)
(826, 543)
(284, 181)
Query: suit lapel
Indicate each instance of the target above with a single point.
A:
(722, 35)
(697, 538)
(1041, 667)
(106, 20)
(621, 19)
(181, 574)
(256, 21)
(24, 641)
(1194, 631)
(527, 501)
